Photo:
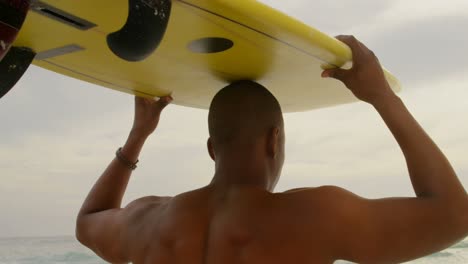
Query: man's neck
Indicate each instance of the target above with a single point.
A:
(240, 172)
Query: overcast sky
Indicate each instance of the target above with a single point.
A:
(58, 134)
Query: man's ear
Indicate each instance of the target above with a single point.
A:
(273, 142)
(209, 144)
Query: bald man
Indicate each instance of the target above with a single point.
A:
(237, 218)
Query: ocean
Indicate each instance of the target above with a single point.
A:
(59, 250)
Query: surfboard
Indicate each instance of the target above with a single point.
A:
(205, 45)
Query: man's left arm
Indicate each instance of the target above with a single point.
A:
(101, 223)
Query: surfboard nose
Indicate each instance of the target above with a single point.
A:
(144, 30)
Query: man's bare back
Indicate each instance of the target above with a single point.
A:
(241, 225)
(238, 218)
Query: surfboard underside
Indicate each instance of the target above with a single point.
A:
(208, 43)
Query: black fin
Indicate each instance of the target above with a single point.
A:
(145, 27)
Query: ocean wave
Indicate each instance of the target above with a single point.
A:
(69, 257)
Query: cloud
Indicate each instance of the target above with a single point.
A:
(423, 50)
(46, 102)
(332, 17)
(403, 12)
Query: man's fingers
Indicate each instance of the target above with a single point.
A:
(143, 101)
(351, 41)
(336, 73)
(163, 102)
(356, 47)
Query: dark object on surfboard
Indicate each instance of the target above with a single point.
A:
(12, 15)
(13, 66)
(142, 33)
(14, 61)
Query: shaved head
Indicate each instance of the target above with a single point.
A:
(241, 113)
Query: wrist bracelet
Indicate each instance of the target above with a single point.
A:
(125, 161)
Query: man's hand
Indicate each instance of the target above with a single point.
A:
(366, 79)
(147, 113)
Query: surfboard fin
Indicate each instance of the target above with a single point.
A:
(13, 66)
(142, 33)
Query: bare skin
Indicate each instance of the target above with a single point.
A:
(238, 219)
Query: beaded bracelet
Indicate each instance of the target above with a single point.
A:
(125, 161)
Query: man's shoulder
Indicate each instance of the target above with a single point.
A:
(326, 190)
(148, 201)
(316, 211)
(316, 198)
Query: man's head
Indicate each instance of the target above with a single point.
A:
(246, 117)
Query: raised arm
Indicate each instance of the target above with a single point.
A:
(101, 222)
(396, 230)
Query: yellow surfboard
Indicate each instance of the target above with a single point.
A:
(207, 44)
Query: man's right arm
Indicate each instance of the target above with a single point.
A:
(396, 230)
